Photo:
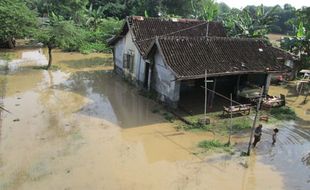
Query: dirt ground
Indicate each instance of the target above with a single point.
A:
(83, 128)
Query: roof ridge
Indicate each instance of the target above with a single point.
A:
(142, 18)
(171, 37)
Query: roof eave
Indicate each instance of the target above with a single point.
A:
(227, 74)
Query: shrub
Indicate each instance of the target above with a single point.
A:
(214, 145)
(93, 47)
(168, 116)
(210, 144)
(241, 124)
(283, 113)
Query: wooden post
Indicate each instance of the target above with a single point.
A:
(255, 118)
(212, 97)
(206, 97)
(230, 129)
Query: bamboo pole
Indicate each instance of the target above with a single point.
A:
(254, 121)
(230, 129)
(206, 97)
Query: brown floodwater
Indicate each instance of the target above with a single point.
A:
(85, 128)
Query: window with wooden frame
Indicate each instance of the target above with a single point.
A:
(128, 61)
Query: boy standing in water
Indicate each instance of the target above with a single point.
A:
(257, 134)
(274, 136)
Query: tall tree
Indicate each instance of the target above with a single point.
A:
(16, 21)
(57, 32)
(179, 8)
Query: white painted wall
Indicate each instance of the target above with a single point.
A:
(126, 45)
(164, 80)
(118, 53)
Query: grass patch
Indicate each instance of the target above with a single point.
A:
(240, 124)
(283, 113)
(214, 145)
(220, 126)
(87, 48)
(169, 117)
(149, 94)
(7, 56)
(53, 67)
(86, 63)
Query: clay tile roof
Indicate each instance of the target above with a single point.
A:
(145, 30)
(189, 57)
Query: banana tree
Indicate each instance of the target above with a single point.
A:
(94, 17)
(300, 43)
(204, 9)
(247, 24)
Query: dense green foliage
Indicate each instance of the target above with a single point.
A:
(58, 32)
(249, 23)
(16, 20)
(281, 15)
(214, 145)
(98, 20)
(283, 113)
(299, 43)
(205, 9)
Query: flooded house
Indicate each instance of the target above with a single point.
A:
(171, 56)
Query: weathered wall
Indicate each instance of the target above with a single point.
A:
(164, 83)
(118, 53)
(127, 45)
(162, 79)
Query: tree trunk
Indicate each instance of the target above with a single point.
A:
(49, 58)
(11, 43)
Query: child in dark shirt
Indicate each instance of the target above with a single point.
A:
(274, 136)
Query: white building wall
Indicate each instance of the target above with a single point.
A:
(124, 46)
(118, 53)
(164, 81)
